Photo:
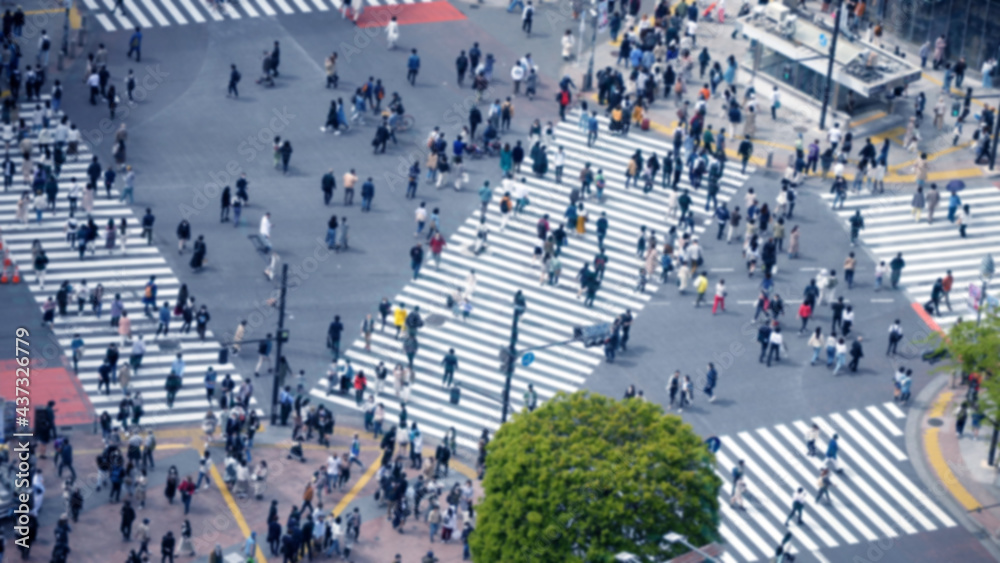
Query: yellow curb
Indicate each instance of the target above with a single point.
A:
(932, 446)
(237, 514)
(360, 484)
(75, 20)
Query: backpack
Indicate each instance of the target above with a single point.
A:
(46, 44)
(149, 292)
(236, 78)
(504, 206)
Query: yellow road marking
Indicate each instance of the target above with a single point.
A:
(941, 405)
(237, 514)
(892, 134)
(367, 476)
(932, 445)
(49, 11)
(934, 80)
(868, 119)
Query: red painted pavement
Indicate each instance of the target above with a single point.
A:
(919, 309)
(50, 384)
(409, 14)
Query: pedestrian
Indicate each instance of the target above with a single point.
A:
(135, 44)
(167, 545)
(412, 67)
(896, 269)
(225, 205)
(450, 363)
(711, 377)
(823, 484)
(798, 503)
(857, 352)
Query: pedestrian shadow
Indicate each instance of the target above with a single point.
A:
(723, 403)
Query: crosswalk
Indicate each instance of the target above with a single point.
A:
(873, 499)
(123, 272)
(507, 266)
(165, 13)
(929, 250)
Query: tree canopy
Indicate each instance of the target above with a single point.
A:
(975, 348)
(585, 477)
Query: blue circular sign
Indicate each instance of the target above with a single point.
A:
(527, 359)
(713, 443)
(822, 40)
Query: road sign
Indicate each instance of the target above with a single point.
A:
(713, 443)
(527, 359)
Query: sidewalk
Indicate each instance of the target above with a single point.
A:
(217, 517)
(797, 115)
(960, 463)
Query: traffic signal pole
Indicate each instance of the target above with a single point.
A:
(511, 360)
(278, 379)
(829, 67)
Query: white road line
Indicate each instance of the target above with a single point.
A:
(193, 11)
(881, 439)
(174, 12)
(894, 410)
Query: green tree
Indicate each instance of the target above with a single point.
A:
(585, 477)
(975, 348)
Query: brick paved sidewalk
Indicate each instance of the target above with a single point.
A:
(96, 538)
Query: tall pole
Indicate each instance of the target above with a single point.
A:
(510, 364)
(996, 138)
(829, 65)
(278, 379)
(588, 79)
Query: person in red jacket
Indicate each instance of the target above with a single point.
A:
(805, 311)
(187, 489)
(360, 383)
(437, 244)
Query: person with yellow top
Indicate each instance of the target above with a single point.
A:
(616, 118)
(399, 318)
(701, 286)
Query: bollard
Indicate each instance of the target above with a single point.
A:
(770, 158)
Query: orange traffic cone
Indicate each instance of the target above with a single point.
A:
(17, 275)
(3, 276)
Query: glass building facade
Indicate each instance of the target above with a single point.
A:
(971, 27)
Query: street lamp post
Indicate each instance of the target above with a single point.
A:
(588, 79)
(520, 306)
(278, 380)
(829, 65)
(986, 271)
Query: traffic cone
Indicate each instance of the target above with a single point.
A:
(17, 275)
(3, 276)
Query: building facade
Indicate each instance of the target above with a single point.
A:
(971, 27)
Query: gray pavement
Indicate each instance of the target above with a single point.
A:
(186, 136)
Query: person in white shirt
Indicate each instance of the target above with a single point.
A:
(559, 160)
(798, 503)
(420, 216)
(774, 346)
(834, 135)
(265, 230)
(775, 102)
(519, 192)
(517, 75)
(392, 32)
(567, 45)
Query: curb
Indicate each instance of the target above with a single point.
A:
(918, 441)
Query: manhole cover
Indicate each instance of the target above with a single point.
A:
(435, 320)
(935, 422)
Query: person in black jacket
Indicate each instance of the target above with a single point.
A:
(128, 516)
(167, 547)
(856, 354)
